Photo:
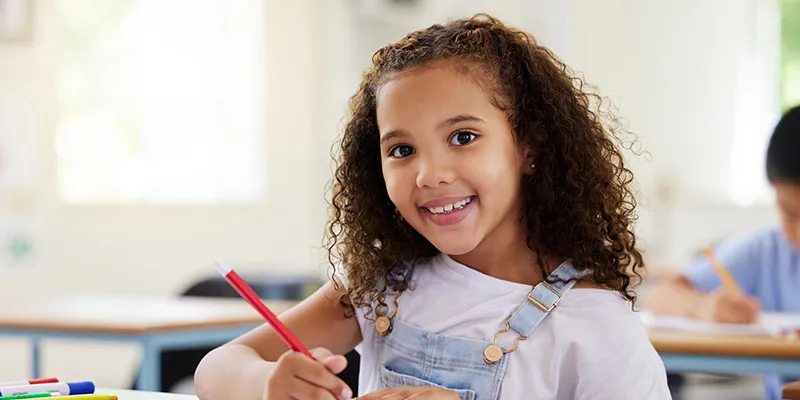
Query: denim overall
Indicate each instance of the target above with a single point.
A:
(409, 356)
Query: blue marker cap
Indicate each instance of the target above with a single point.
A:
(81, 388)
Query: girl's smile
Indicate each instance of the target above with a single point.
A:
(448, 210)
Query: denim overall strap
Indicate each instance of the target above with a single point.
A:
(543, 298)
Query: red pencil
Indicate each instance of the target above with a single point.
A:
(248, 294)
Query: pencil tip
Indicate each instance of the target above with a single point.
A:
(222, 268)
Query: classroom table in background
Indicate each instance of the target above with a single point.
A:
(155, 323)
(726, 354)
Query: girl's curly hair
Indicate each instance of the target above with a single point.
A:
(577, 202)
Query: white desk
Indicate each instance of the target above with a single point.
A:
(137, 395)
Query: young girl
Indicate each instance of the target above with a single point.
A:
(482, 216)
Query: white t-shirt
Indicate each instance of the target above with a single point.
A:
(591, 346)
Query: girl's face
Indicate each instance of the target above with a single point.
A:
(450, 160)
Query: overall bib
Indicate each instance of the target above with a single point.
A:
(410, 356)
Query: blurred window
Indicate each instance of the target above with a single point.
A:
(768, 82)
(790, 53)
(160, 102)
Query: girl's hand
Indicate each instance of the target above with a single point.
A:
(417, 393)
(298, 377)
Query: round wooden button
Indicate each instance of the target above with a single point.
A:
(383, 325)
(492, 354)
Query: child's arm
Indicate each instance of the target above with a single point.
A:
(677, 296)
(699, 292)
(242, 368)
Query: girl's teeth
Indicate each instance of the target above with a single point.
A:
(450, 207)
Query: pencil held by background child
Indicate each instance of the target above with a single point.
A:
(729, 303)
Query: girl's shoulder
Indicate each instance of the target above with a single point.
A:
(595, 319)
(598, 329)
(598, 303)
(588, 283)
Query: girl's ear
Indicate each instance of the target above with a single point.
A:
(528, 158)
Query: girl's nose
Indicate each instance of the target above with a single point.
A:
(435, 171)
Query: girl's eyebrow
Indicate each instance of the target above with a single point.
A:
(448, 122)
(458, 118)
(391, 135)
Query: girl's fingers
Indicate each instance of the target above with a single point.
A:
(317, 374)
(302, 390)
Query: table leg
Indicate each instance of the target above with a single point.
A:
(730, 365)
(36, 359)
(150, 373)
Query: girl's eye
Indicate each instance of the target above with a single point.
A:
(462, 138)
(401, 151)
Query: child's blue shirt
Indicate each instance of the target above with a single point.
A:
(767, 267)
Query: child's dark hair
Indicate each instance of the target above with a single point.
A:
(577, 202)
(783, 153)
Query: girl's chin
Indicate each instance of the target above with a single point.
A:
(455, 246)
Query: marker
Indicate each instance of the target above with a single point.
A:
(63, 388)
(28, 396)
(78, 397)
(248, 294)
(30, 382)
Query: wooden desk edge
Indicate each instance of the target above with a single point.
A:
(791, 391)
(724, 345)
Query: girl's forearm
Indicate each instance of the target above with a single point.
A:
(233, 371)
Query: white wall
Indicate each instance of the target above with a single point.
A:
(667, 65)
(124, 244)
(675, 70)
